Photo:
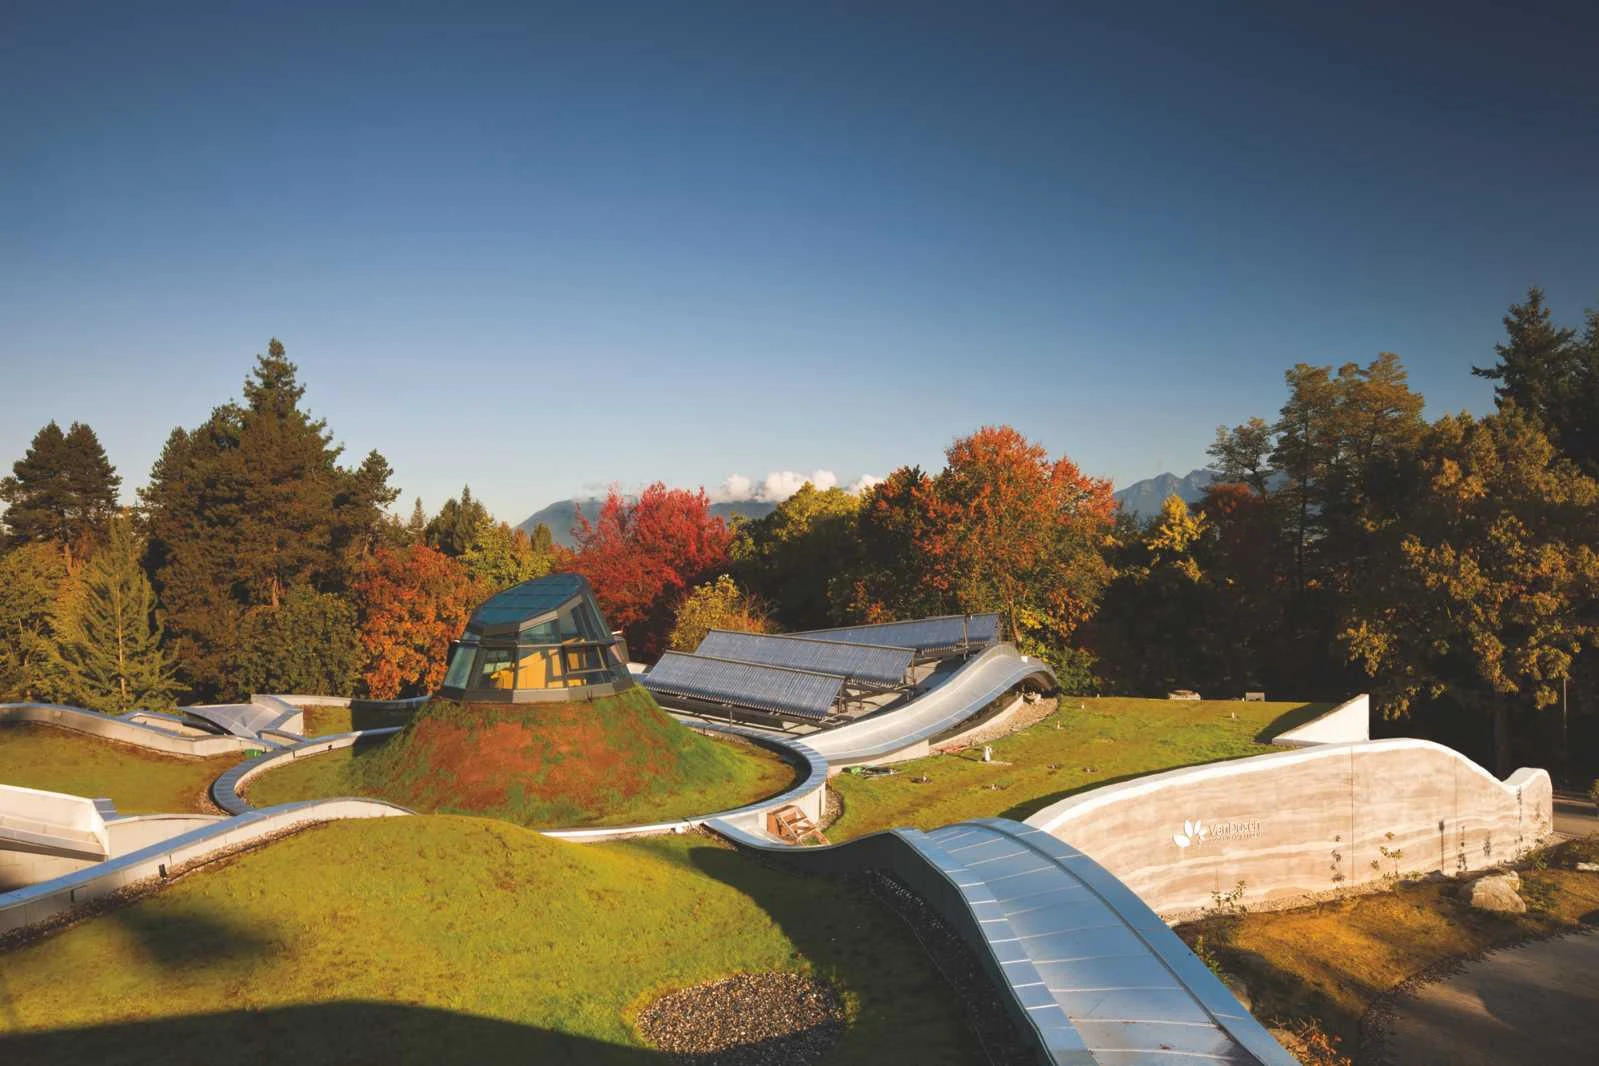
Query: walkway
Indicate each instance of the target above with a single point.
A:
(1535, 1003)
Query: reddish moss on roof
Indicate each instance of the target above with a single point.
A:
(620, 760)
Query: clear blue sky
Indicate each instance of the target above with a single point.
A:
(542, 247)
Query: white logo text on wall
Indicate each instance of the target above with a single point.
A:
(1197, 832)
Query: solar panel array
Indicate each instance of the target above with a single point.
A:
(926, 636)
(868, 664)
(774, 689)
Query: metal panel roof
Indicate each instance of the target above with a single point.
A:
(773, 689)
(527, 601)
(927, 636)
(872, 664)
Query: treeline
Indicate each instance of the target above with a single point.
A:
(254, 562)
(1450, 567)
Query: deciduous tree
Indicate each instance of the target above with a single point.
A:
(413, 603)
(1491, 588)
(641, 557)
(1012, 529)
(793, 556)
(718, 604)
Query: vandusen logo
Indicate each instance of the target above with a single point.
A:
(1193, 833)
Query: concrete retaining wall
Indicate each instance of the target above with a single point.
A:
(37, 903)
(1319, 820)
(124, 732)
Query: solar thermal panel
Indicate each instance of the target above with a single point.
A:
(756, 686)
(926, 636)
(866, 664)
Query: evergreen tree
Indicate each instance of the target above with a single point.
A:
(453, 528)
(1537, 362)
(247, 506)
(64, 490)
(107, 638)
(31, 582)
(416, 529)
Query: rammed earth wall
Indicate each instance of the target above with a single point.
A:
(1308, 822)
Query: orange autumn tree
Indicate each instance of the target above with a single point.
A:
(414, 601)
(1017, 532)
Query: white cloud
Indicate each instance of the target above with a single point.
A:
(779, 485)
(736, 487)
(863, 484)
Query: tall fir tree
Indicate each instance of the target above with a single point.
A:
(106, 648)
(64, 490)
(454, 527)
(32, 578)
(244, 508)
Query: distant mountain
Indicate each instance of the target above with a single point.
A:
(561, 516)
(1143, 498)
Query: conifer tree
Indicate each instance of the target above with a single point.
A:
(64, 490)
(246, 507)
(31, 581)
(454, 527)
(107, 650)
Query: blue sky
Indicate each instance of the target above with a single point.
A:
(545, 247)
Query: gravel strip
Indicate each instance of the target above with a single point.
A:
(749, 1019)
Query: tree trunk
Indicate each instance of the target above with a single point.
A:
(1501, 716)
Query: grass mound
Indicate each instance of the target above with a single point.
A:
(136, 780)
(441, 940)
(614, 761)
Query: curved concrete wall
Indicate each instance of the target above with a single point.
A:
(125, 732)
(1344, 724)
(904, 731)
(37, 903)
(1303, 823)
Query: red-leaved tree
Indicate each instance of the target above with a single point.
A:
(641, 557)
(414, 601)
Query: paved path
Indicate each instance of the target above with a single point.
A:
(1538, 1003)
(1575, 816)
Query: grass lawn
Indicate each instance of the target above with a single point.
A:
(137, 781)
(1331, 962)
(448, 939)
(1085, 744)
(323, 720)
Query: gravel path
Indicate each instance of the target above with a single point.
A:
(750, 1019)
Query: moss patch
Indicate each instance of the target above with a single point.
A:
(136, 780)
(616, 761)
(323, 720)
(1085, 744)
(439, 939)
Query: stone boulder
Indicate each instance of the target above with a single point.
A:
(1496, 892)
